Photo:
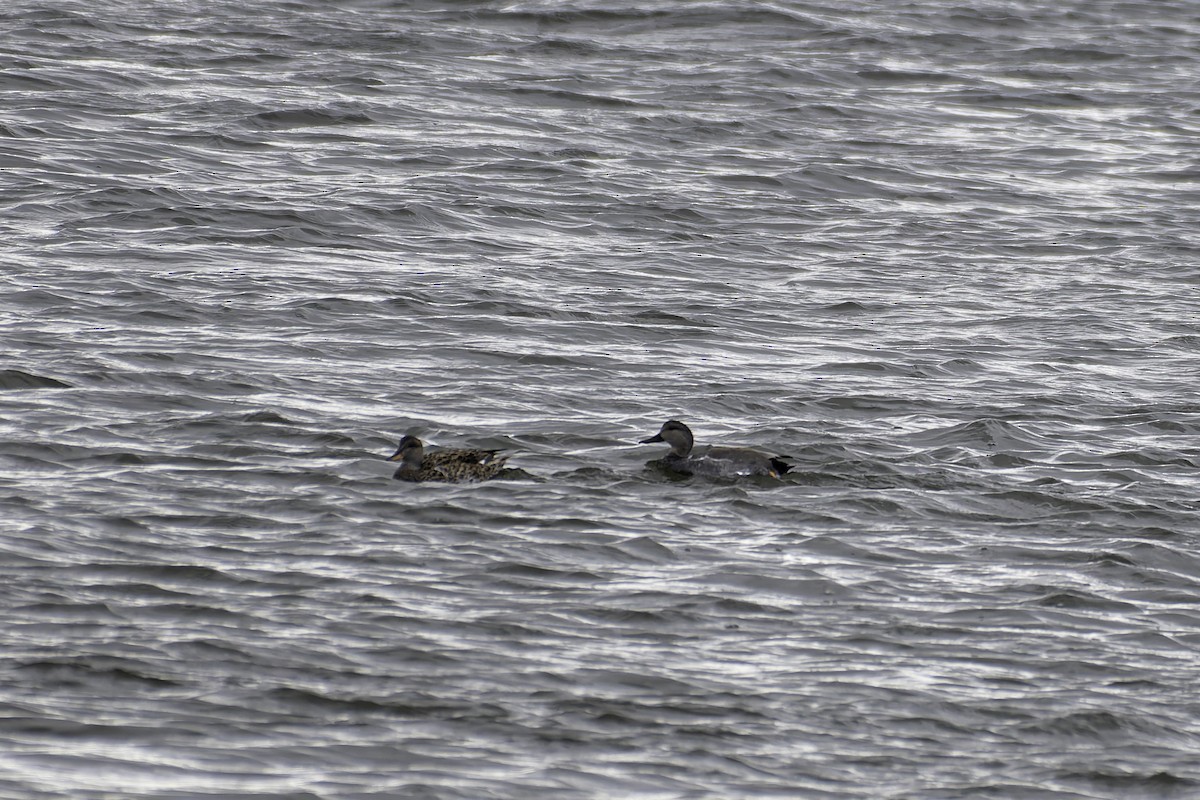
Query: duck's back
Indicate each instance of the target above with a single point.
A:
(464, 465)
(461, 456)
(725, 462)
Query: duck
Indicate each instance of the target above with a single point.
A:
(725, 462)
(447, 465)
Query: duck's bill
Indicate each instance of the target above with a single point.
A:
(655, 438)
(396, 456)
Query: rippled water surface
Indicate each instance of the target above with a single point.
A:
(944, 256)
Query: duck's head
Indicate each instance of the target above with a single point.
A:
(676, 434)
(409, 453)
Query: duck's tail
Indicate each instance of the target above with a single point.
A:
(493, 457)
(781, 466)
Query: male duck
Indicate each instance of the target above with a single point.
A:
(724, 462)
(449, 465)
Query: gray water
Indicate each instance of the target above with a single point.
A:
(943, 256)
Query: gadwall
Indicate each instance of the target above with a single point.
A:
(726, 462)
(448, 465)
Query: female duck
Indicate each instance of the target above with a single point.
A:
(725, 462)
(449, 465)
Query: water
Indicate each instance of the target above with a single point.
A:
(943, 257)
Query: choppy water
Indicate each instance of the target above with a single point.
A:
(944, 256)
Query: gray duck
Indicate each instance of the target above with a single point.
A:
(722, 462)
